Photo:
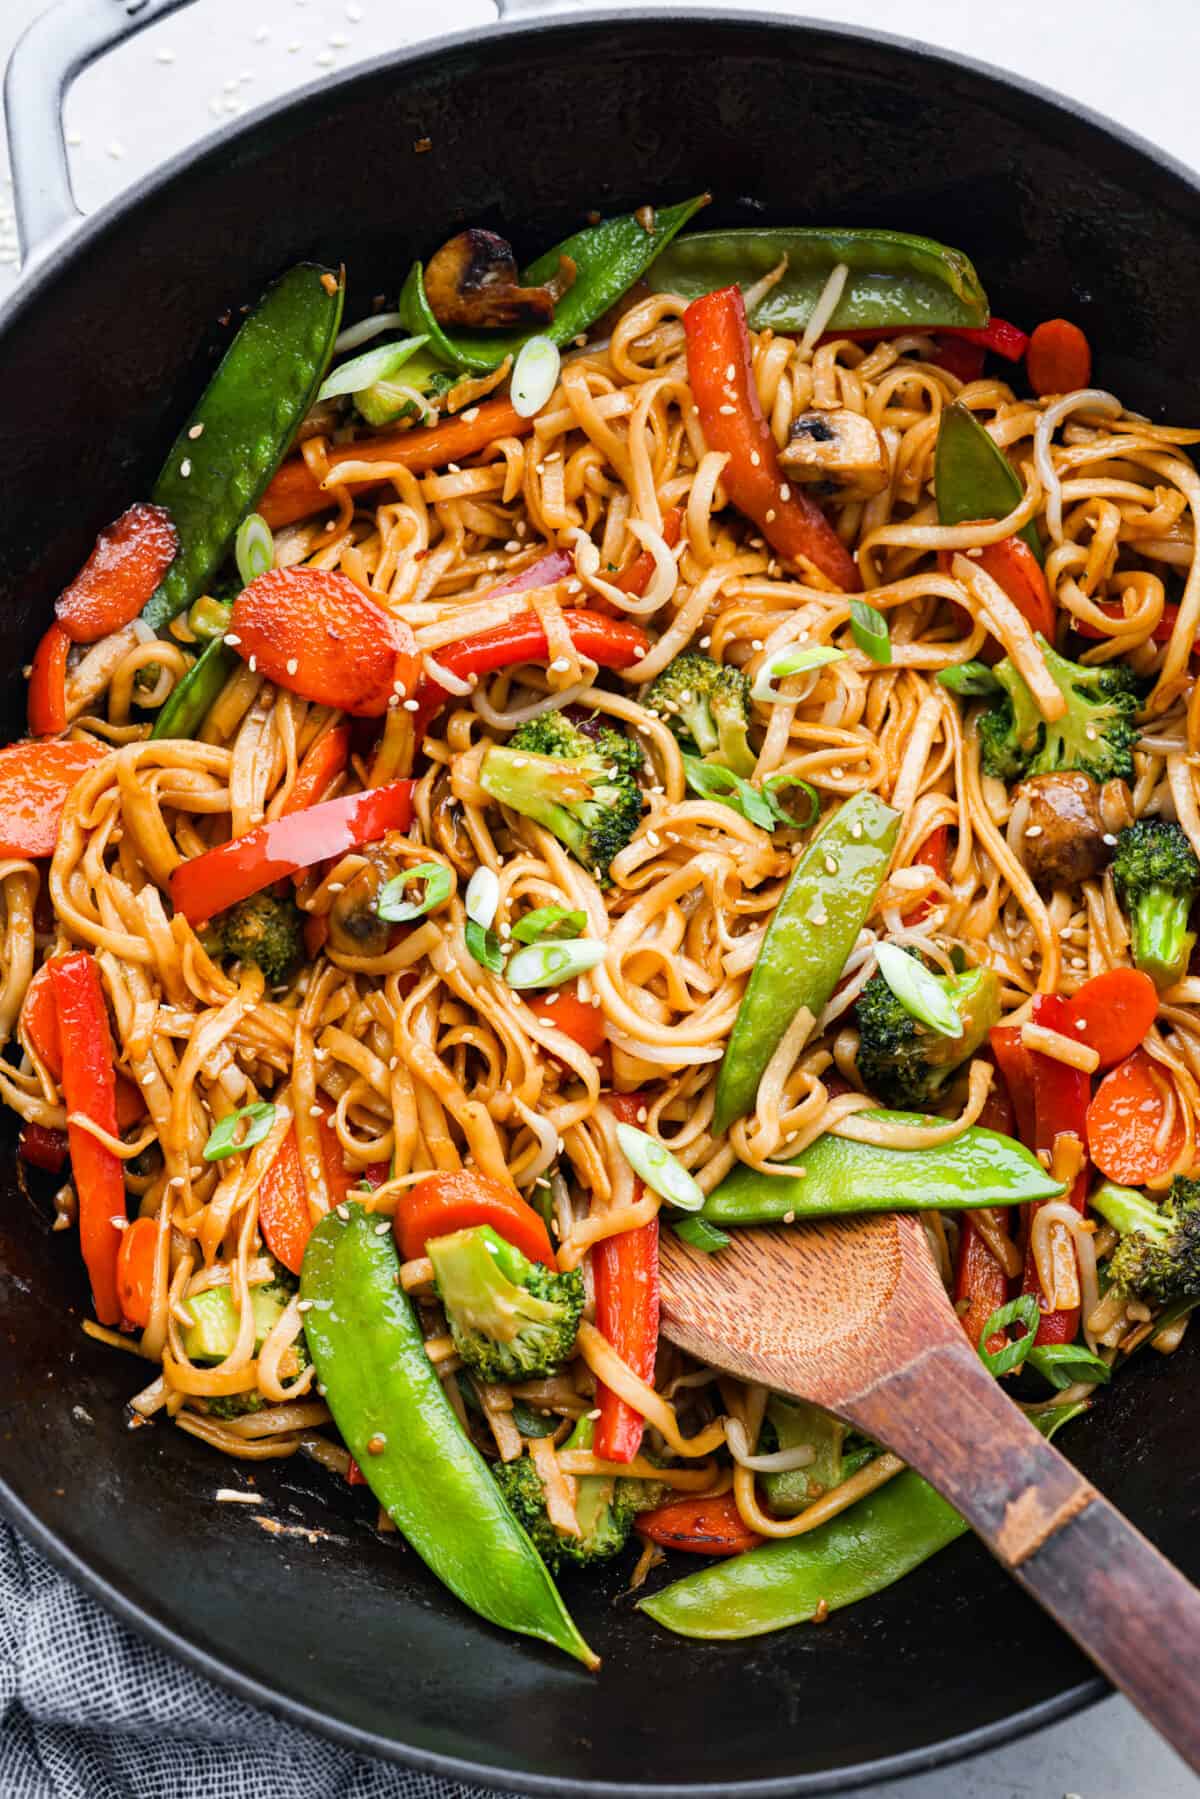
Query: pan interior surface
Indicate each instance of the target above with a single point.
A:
(104, 350)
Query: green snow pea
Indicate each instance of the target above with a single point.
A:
(392, 1411)
(189, 704)
(978, 1168)
(894, 279)
(815, 926)
(972, 477)
(608, 257)
(859, 1552)
(222, 460)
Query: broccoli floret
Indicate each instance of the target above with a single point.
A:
(263, 929)
(511, 1319)
(605, 1508)
(1158, 1256)
(581, 787)
(706, 704)
(1157, 878)
(902, 1061)
(1096, 733)
(235, 1405)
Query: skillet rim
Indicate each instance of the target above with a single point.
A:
(51, 260)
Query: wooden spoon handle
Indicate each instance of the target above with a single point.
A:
(1125, 1605)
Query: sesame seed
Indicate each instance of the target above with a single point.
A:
(305, 1305)
(292, 665)
(755, 458)
(470, 415)
(785, 492)
(1109, 839)
(771, 515)
(185, 467)
(411, 706)
(195, 432)
(1033, 830)
(789, 1218)
(343, 1211)
(831, 866)
(730, 410)
(254, 665)
(731, 371)
(560, 665)
(383, 1227)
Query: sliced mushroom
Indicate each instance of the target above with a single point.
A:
(355, 927)
(473, 281)
(839, 450)
(1063, 839)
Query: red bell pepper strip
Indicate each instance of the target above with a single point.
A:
(722, 380)
(460, 1199)
(554, 566)
(1125, 1120)
(43, 1147)
(313, 632)
(980, 1283)
(998, 335)
(1014, 568)
(564, 1011)
(135, 1270)
(47, 699)
(636, 578)
(129, 560)
(295, 492)
(39, 1020)
(317, 772)
(1060, 1097)
(708, 1525)
(284, 1216)
(610, 642)
(1016, 1065)
(934, 853)
(1114, 609)
(354, 1475)
(962, 360)
(219, 878)
(89, 1087)
(1113, 1012)
(625, 1270)
(35, 781)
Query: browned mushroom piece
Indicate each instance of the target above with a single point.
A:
(355, 927)
(839, 450)
(1063, 839)
(473, 281)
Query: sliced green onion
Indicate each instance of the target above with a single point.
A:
(253, 548)
(971, 680)
(209, 618)
(1023, 1310)
(659, 1168)
(372, 366)
(484, 945)
(770, 790)
(1063, 1364)
(702, 1235)
(482, 897)
(392, 904)
(549, 964)
(919, 992)
(713, 781)
(550, 921)
(225, 1140)
(791, 661)
(870, 631)
(534, 376)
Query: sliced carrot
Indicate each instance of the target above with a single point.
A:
(709, 1525)
(1059, 358)
(1014, 567)
(1113, 1012)
(459, 1200)
(315, 633)
(1125, 1120)
(317, 772)
(35, 782)
(574, 1017)
(284, 1216)
(129, 560)
(295, 492)
(47, 698)
(135, 1270)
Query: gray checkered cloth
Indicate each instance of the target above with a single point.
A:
(88, 1711)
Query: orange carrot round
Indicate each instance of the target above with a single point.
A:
(1059, 358)
(135, 1270)
(1124, 1123)
(459, 1200)
(1113, 1011)
(315, 633)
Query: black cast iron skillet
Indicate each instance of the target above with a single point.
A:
(103, 348)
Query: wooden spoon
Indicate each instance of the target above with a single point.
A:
(851, 1314)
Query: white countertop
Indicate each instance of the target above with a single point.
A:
(192, 74)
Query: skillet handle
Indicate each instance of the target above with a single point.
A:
(48, 57)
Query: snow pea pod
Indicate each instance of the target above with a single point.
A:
(392, 1411)
(608, 257)
(894, 279)
(840, 1174)
(222, 460)
(815, 926)
(189, 704)
(973, 478)
(859, 1552)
